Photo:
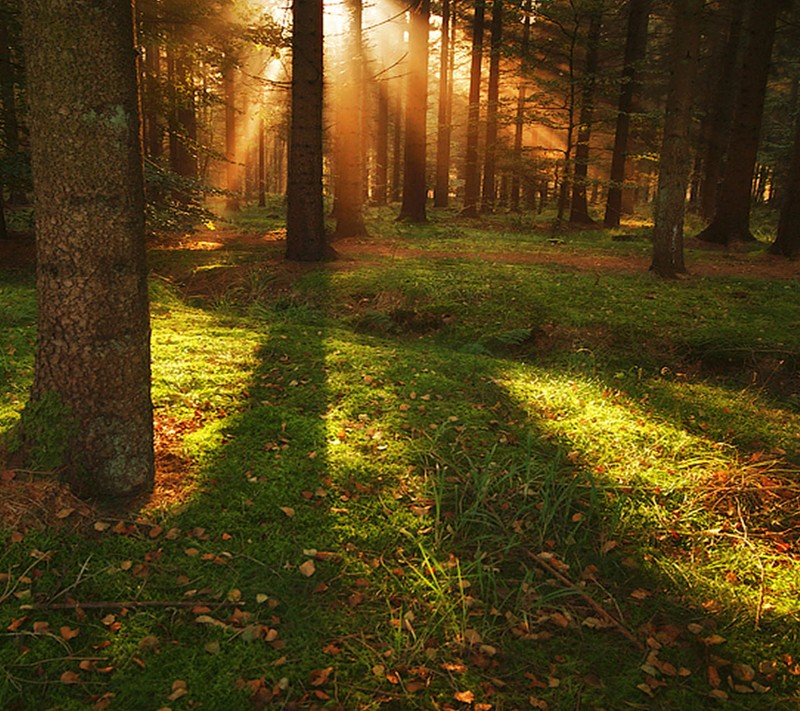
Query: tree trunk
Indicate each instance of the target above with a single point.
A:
(9, 101)
(262, 165)
(415, 190)
(381, 185)
(232, 168)
(579, 208)
(151, 100)
(489, 193)
(397, 150)
(566, 177)
(721, 118)
(305, 219)
(731, 221)
(349, 129)
(441, 191)
(787, 242)
(471, 168)
(519, 118)
(635, 47)
(3, 228)
(91, 388)
(673, 174)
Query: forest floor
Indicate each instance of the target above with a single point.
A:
(467, 465)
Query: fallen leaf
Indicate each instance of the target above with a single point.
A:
(212, 647)
(288, 510)
(70, 677)
(465, 697)
(319, 677)
(178, 689)
(41, 627)
(308, 568)
(472, 636)
(712, 640)
(64, 513)
(155, 532)
(68, 633)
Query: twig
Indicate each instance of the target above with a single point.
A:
(111, 604)
(596, 606)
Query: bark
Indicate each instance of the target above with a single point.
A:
(566, 177)
(731, 221)
(488, 195)
(787, 242)
(350, 170)
(3, 228)
(519, 118)
(471, 167)
(579, 208)
(674, 166)
(397, 150)
(721, 117)
(635, 47)
(441, 191)
(415, 190)
(150, 101)
(92, 362)
(305, 220)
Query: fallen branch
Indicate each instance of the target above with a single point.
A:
(596, 606)
(113, 605)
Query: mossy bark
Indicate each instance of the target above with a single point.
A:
(93, 347)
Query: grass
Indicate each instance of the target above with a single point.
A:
(431, 480)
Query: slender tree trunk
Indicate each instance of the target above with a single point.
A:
(472, 178)
(787, 242)
(566, 177)
(9, 101)
(350, 130)
(579, 208)
(381, 185)
(397, 150)
(674, 167)
(635, 47)
(150, 101)
(232, 168)
(489, 193)
(3, 228)
(721, 118)
(262, 165)
(731, 221)
(305, 219)
(415, 190)
(441, 192)
(91, 388)
(519, 118)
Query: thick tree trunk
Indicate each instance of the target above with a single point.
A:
(635, 47)
(91, 384)
(787, 242)
(488, 196)
(721, 116)
(441, 191)
(472, 180)
(519, 118)
(350, 130)
(415, 190)
(674, 167)
(579, 208)
(731, 221)
(305, 219)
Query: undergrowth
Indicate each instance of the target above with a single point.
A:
(448, 482)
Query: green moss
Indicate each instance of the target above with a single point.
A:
(45, 430)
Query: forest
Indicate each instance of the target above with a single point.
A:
(399, 354)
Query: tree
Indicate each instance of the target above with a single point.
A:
(579, 209)
(731, 221)
(305, 220)
(441, 191)
(493, 96)
(787, 241)
(231, 144)
(415, 190)
(519, 117)
(673, 176)
(472, 178)
(350, 130)
(91, 391)
(635, 46)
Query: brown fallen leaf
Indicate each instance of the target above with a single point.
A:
(465, 697)
(70, 677)
(68, 633)
(179, 689)
(319, 677)
(64, 513)
(41, 627)
(308, 568)
(288, 510)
